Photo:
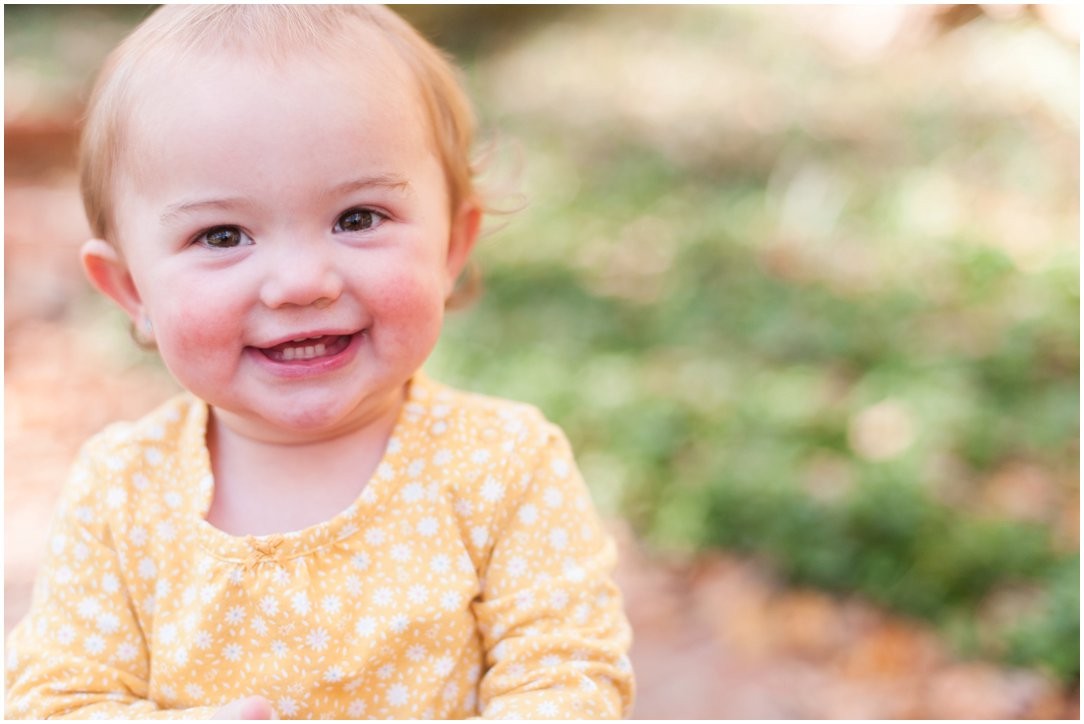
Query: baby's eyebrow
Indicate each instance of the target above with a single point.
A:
(185, 207)
(390, 181)
(382, 180)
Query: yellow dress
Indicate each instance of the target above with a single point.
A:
(470, 578)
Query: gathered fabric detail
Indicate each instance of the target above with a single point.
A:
(263, 549)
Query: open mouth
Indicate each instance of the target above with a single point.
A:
(311, 348)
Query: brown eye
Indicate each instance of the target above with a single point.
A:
(357, 220)
(224, 237)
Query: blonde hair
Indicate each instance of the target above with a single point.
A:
(174, 31)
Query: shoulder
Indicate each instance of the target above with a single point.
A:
(123, 444)
(488, 450)
(510, 472)
(133, 453)
(474, 420)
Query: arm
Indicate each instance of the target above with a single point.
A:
(554, 630)
(80, 652)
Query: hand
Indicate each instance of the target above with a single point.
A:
(251, 707)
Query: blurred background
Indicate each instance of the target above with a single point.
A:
(800, 283)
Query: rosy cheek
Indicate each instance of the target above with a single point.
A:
(187, 337)
(413, 298)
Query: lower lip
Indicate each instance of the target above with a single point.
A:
(298, 368)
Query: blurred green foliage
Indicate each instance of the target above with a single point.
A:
(808, 304)
(709, 327)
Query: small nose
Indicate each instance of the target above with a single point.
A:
(302, 275)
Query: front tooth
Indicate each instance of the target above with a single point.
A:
(320, 349)
(310, 352)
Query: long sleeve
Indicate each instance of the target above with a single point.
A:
(551, 617)
(81, 651)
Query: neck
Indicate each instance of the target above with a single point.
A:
(266, 485)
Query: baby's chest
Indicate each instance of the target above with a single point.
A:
(389, 604)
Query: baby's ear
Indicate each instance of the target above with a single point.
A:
(108, 272)
(461, 237)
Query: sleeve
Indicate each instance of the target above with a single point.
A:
(552, 621)
(80, 652)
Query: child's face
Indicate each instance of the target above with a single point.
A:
(287, 234)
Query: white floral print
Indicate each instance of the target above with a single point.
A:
(471, 577)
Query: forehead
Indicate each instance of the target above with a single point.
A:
(231, 106)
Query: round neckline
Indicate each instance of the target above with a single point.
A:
(251, 549)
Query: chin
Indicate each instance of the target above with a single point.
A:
(306, 421)
(310, 418)
(322, 415)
